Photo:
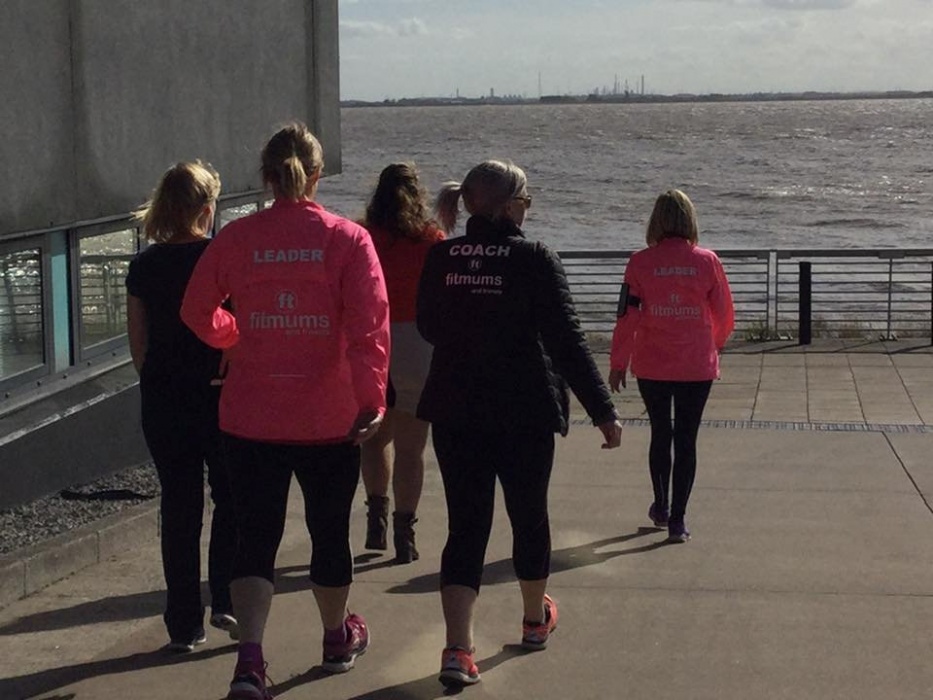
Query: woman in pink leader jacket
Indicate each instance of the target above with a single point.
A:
(675, 315)
(307, 344)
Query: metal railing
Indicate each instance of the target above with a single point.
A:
(63, 301)
(880, 293)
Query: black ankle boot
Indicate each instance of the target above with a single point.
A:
(377, 522)
(403, 535)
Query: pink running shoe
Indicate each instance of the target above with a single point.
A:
(535, 634)
(340, 658)
(249, 685)
(458, 668)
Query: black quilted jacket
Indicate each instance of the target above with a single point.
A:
(498, 311)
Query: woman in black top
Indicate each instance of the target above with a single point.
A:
(179, 401)
(498, 311)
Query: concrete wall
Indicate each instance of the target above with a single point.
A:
(71, 437)
(99, 97)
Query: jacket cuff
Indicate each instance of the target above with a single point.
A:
(606, 417)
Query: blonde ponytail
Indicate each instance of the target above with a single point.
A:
(447, 205)
(291, 158)
(292, 178)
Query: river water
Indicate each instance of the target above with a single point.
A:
(819, 174)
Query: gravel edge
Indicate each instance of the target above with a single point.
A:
(31, 524)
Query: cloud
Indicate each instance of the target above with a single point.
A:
(788, 4)
(809, 4)
(350, 29)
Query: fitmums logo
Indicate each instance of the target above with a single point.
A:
(287, 320)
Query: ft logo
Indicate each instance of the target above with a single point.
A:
(286, 300)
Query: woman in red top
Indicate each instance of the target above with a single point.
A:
(308, 343)
(675, 315)
(397, 219)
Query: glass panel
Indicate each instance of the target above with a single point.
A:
(225, 216)
(104, 261)
(22, 338)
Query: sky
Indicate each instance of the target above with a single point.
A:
(391, 49)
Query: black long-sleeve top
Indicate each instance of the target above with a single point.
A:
(498, 310)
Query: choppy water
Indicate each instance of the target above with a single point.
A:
(823, 174)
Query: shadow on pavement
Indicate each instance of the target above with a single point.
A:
(292, 579)
(428, 687)
(134, 606)
(565, 559)
(45, 681)
(116, 609)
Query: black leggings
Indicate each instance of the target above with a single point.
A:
(689, 399)
(469, 462)
(260, 475)
(180, 426)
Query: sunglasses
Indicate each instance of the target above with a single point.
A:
(524, 199)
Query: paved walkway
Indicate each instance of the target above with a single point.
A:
(810, 574)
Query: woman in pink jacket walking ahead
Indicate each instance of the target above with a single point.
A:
(308, 344)
(675, 314)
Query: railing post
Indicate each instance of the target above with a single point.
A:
(772, 327)
(889, 334)
(805, 301)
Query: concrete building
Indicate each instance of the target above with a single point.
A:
(97, 99)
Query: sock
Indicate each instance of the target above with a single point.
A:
(337, 636)
(249, 657)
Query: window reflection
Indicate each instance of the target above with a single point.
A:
(22, 335)
(104, 261)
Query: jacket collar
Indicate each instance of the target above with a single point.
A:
(482, 227)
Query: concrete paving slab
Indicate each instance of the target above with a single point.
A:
(828, 361)
(912, 360)
(788, 359)
(780, 406)
(859, 360)
(913, 452)
(807, 577)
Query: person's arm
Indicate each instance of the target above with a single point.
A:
(628, 316)
(721, 307)
(366, 327)
(564, 340)
(137, 329)
(201, 309)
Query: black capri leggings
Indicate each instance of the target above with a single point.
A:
(260, 474)
(469, 462)
(689, 399)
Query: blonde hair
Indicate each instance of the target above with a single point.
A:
(486, 190)
(178, 201)
(291, 158)
(398, 204)
(674, 216)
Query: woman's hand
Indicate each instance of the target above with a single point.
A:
(612, 433)
(224, 365)
(365, 426)
(617, 379)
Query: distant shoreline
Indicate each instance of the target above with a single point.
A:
(634, 98)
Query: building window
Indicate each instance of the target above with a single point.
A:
(103, 261)
(22, 331)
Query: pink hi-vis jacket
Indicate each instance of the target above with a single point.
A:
(684, 318)
(310, 322)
